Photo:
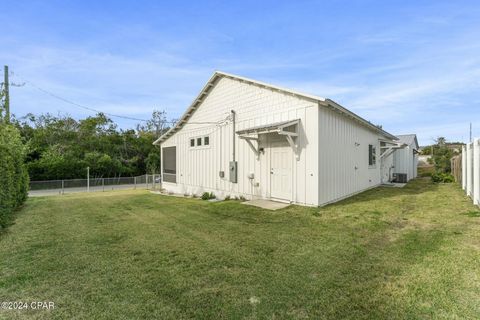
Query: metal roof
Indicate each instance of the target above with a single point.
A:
(218, 75)
(269, 127)
(408, 139)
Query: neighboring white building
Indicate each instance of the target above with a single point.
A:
(242, 137)
(405, 160)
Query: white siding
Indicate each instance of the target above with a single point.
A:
(415, 165)
(386, 168)
(343, 157)
(332, 161)
(198, 168)
(406, 161)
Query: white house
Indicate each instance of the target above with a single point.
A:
(242, 137)
(405, 160)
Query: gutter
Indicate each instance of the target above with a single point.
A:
(332, 104)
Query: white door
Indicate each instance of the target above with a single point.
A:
(281, 171)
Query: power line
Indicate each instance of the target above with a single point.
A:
(56, 96)
(77, 104)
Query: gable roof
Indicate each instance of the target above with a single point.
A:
(217, 75)
(408, 139)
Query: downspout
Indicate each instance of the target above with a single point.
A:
(233, 134)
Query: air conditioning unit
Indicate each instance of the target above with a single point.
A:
(400, 177)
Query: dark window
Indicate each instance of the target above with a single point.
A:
(199, 142)
(192, 142)
(372, 156)
(206, 141)
(170, 164)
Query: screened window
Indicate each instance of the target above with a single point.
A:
(192, 142)
(206, 141)
(199, 142)
(170, 164)
(372, 155)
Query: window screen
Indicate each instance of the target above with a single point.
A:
(372, 157)
(170, 164)
(206, 141)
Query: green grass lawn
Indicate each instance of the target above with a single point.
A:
(411, 253)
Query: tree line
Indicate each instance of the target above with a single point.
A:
(61, 147)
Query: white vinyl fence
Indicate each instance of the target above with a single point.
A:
(471, 170)
(55, 187)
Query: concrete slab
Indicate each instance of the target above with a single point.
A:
(177, 195)
(394, 185)
(266, 204)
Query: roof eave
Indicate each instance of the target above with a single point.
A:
(350, 114)
(186, 115)
(217, 74)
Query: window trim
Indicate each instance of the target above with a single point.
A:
(373, 149)
(202, 145)
(172, 176)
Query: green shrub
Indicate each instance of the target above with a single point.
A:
(448, 178)
(13, 174)
(441, 177)
(208, 196)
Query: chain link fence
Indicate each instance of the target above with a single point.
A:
(54, 187)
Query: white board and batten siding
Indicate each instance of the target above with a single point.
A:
(198, 168)
(331, 160)
(403, 162)
(343, 157)
(406, 159)
(386, 168)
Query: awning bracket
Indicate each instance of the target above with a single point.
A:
(390, 149)
(291, 142)
(252, 146)
(278, 128)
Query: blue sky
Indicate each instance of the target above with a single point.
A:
(412, 66)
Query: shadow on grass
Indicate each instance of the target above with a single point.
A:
(381, 193)
(473, 214)
(9, 221)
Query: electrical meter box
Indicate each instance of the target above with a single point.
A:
(233, 171)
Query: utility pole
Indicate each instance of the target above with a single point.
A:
(471, 133)
(7, 96)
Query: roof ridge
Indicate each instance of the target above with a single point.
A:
(217, 74)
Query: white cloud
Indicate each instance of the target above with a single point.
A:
(111, 83)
